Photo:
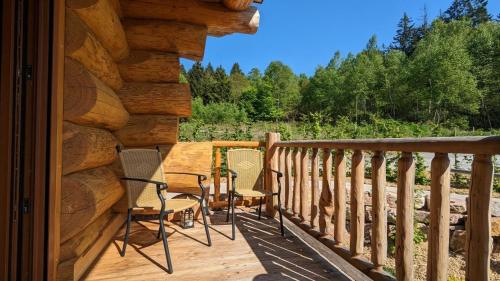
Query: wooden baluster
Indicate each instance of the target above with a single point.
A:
(304, 186)
(357, 203)
(271, 164)
(282, 170)
(478, 225)
(218, 162)
(339, 196)
(439, 230)
(314, 189)
(296, 182)
(379, 212)
(288, 179)
(404, 217)
(326, 199)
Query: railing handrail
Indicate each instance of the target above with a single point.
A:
(469, 145)
(247, 144)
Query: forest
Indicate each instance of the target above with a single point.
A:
(437, 77)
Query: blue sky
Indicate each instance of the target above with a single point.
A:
(306, 33)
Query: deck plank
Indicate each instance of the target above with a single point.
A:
(258, 253)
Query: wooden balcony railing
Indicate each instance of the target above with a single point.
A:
(313, 208)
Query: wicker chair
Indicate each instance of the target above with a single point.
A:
(247, 180)
(146, 188)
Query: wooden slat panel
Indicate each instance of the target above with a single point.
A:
(326, 201)
(357, 221)
(478, 223)
(315, 189)
(404, 217)
(439, 229)
(339, 196)
(288, 180)
(296, 183)
(305, 192)
(379, 224)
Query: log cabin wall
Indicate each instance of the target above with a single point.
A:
(122, 87)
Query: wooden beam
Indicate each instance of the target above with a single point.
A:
(75, 268)
(218, 19)
(81, 45)
(101, 17)
(145, 130)
(88, 101)
(86, 148)
(164, 98)
(77, 245)
(86, 195)
(237, 5)
(186, 40)
(143, 66)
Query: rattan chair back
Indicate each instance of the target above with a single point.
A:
(145, 164)
(248, 164)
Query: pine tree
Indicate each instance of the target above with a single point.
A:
(405, 36)
(195, 77)
(222, 87)
(475, 10)
(236, 70)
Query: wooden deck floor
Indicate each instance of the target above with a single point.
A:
(258, 253)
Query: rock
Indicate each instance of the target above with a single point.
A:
(456, 219)
(419, 200)
(368, 214)
(495, 208)
(368, 233)
(457, 241)
(496, 246)
(495, 227)
(457, 227)
(423, 227)
(458, 207)
(368, 198)
(391, 200)
(427, 202)
(422, 216)
(391, 216)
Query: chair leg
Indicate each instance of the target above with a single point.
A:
(165, 245)
(159, 233)
(205, 222)
(127, 232)
(260, 207)
(233, 217)
(228, 205)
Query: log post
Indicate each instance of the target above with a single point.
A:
(218, 163)
(305, 192)
(339, 196)
(288, 180)
(379, 223)
(144, 66)
(101, 17)
(88, 101)
(81, 45)
(146, 130)
(478, 223)
(282, 170)
(86, 148)
(237, 5)
(314, 189)
(271, 178)
(296, 182)
(357, 221)
(404, 217)
(326, 199)
(183, 39)
(439, 230)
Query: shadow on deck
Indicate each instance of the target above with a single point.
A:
(258, 253)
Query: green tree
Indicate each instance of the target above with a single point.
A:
(443, 87)
(475, 10)
(238, 82)
(195, 78)
(284, 89)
